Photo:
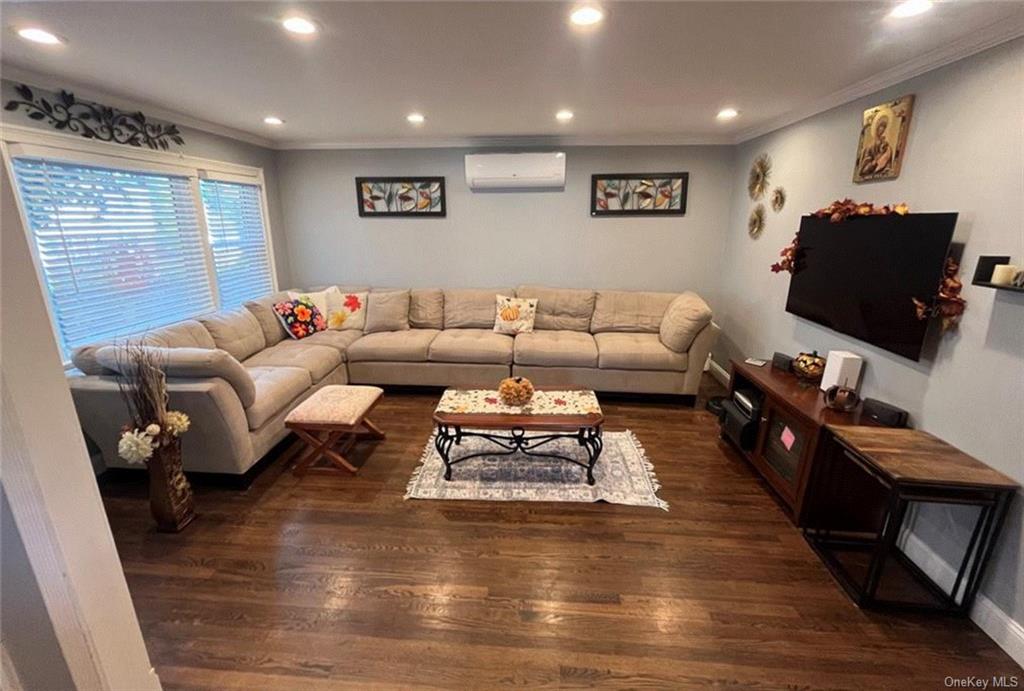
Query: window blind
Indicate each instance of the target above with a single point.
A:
(234, 221)
(120, 251)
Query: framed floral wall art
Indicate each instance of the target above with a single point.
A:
(403, 196)
(638, 194)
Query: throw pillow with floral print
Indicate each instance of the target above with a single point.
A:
(300, 317)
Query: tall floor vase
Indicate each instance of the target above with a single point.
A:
(170, 495)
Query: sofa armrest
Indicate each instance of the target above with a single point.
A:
(218, 440)
(188, 363)
(697, 356)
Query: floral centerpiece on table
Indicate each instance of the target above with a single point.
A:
(153, 436)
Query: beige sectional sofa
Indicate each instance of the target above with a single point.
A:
(237, 374)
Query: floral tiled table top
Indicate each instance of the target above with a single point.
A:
(542, 403)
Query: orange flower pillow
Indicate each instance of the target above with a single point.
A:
(300, 317)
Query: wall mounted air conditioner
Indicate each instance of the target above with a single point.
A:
(515, 171)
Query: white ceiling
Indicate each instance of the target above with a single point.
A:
(480, 71)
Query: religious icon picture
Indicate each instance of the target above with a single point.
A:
(883, 140)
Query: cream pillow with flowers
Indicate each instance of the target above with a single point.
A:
(515, 315)
(345, 311)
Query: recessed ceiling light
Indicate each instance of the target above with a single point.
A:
(911, 8)
(273, 120)
(415, 118)
(37, 35)
(564, 115)
(587, 15)
(727, 113)
(299, 25)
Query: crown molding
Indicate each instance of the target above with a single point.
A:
(989, 37)
(511, 142)
(90, 93)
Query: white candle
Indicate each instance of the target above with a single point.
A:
(1002, 274)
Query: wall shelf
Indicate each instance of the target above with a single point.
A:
(983, 272)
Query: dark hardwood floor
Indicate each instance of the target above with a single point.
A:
(336, 582)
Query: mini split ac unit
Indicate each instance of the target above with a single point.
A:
(515, 171)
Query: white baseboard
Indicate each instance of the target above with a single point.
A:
(996, 623)
(718, 372)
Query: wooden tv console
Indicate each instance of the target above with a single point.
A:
(789, 404)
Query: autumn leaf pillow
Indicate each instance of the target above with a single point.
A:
(515, 315)
(345, 311)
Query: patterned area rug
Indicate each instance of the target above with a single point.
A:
(623, 475)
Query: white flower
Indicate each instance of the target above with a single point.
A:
(135, 446)
(153, 429)
(176, 422)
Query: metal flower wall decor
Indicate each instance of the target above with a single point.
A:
(95, 121)
(755, 224)
(760, 173)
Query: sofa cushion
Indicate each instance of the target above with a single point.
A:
(276, 387)
(393, 346)
(556, 349)
(426, 308)
(639, 351)
(339, 340)
(318, 360)
(622, 310)
(683, 320)
(560, 309)
(481, 346)
(84, 358)
(471, 308)
(186, 334)
(387, 311)
(346, 311)
(235, 331)
(263, 310)
(189, 363)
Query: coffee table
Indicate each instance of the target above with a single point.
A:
(551, 415)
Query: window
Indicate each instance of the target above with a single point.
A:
(127, 241)
(234, 221)
(120, 251)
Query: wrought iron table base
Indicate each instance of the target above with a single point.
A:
(516, 441)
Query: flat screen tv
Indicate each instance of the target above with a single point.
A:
(858, 277)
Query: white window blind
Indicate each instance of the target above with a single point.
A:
(234, 221)
(120, 251)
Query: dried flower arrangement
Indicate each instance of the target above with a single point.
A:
(838, 211)
(153, 436)
(760, 172)
(947, 304)
(788, 254)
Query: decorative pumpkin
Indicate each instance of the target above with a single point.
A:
(809, 366)
(515, 391)
(509, 313)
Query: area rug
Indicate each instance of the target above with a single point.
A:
(623, 475)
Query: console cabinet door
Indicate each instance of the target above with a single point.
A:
(782, 450)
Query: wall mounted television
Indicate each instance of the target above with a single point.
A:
(858, 277)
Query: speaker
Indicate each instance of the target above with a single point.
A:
(884, 414)
(783, 362)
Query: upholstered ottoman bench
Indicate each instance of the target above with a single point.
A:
(330, 422)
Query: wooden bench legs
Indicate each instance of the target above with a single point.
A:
(332, 444)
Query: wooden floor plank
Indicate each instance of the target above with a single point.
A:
(338, 582)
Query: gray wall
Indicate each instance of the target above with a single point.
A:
(965, 153)
(203, 145)
(504, 238)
